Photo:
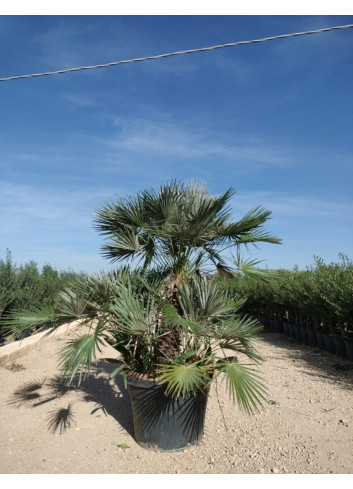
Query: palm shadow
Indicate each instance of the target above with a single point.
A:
(109, 395)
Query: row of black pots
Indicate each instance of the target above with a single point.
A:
(333, 344)
(28, 332)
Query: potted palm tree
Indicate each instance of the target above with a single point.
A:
(175, 329)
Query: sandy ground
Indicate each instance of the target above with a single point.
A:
(306, 427)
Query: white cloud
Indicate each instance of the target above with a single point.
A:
(38, 217)
(52, 225)
(193, 140)
(79, 99)
(285, 206)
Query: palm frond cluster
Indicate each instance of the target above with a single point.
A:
(178, 228)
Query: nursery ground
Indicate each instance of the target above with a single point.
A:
(305, 426)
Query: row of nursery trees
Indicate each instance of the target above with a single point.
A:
(28, 286)
(320, 297)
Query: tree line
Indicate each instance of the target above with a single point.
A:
(28, 286)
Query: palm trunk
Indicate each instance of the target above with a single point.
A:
(170, 341)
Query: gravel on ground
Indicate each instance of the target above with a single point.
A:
(305, 426)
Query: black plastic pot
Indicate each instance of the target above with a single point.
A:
(292, 331)
(298, 332)
(305, 335)
(263, 321)
(267, 323)
(25, 334)
(320, 340)
(349, 349)
(273, 324)
(312, 337)
(330, 346)
(279, 325)
(286, 329)
(340, 346)
(162, 422)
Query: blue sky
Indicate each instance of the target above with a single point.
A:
(272, 120)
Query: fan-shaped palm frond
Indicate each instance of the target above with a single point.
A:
(176, 221)
(74, 305)
(250, 269)
(202, 301)
(130, 314)
(183, 378)
(17, 321)
(244, 385)
(77, 355)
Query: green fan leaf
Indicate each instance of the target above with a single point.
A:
(184, 378)
(244, 385)
(77, 355)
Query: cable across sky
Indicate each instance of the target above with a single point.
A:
(177, 53)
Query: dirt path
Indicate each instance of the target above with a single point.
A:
(306, 426)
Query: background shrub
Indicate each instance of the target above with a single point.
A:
(26, 286)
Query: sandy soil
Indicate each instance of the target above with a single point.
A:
(306, 427)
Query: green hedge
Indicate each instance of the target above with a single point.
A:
(26, 286)
(319, 297)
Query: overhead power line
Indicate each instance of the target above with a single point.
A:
(177, 53)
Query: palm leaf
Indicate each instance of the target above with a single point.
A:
(204, 302)
(244, 385)
(130, 314)
(257, 236)
(74, 305)
(77, 356)
(249, 269)
(172, 318)
(17, 321)
(184, 378)
(238, 327)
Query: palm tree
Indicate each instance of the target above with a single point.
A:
(180, 228)
(168, 319)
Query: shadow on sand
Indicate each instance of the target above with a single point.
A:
(109, 395)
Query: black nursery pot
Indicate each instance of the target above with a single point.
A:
(286, 329)
(298, 332)
(349, 349)
(330, 345)
(292, 330)
(312, 337)
(340, 346)
(25, 334)
(279, 326)
(166, 423)
(320, 340)
(305, 335)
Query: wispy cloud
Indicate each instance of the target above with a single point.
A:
(33, 207)
(77, 99)
(193, 140)
(307, 225)
(51, 225)
(285, 206)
